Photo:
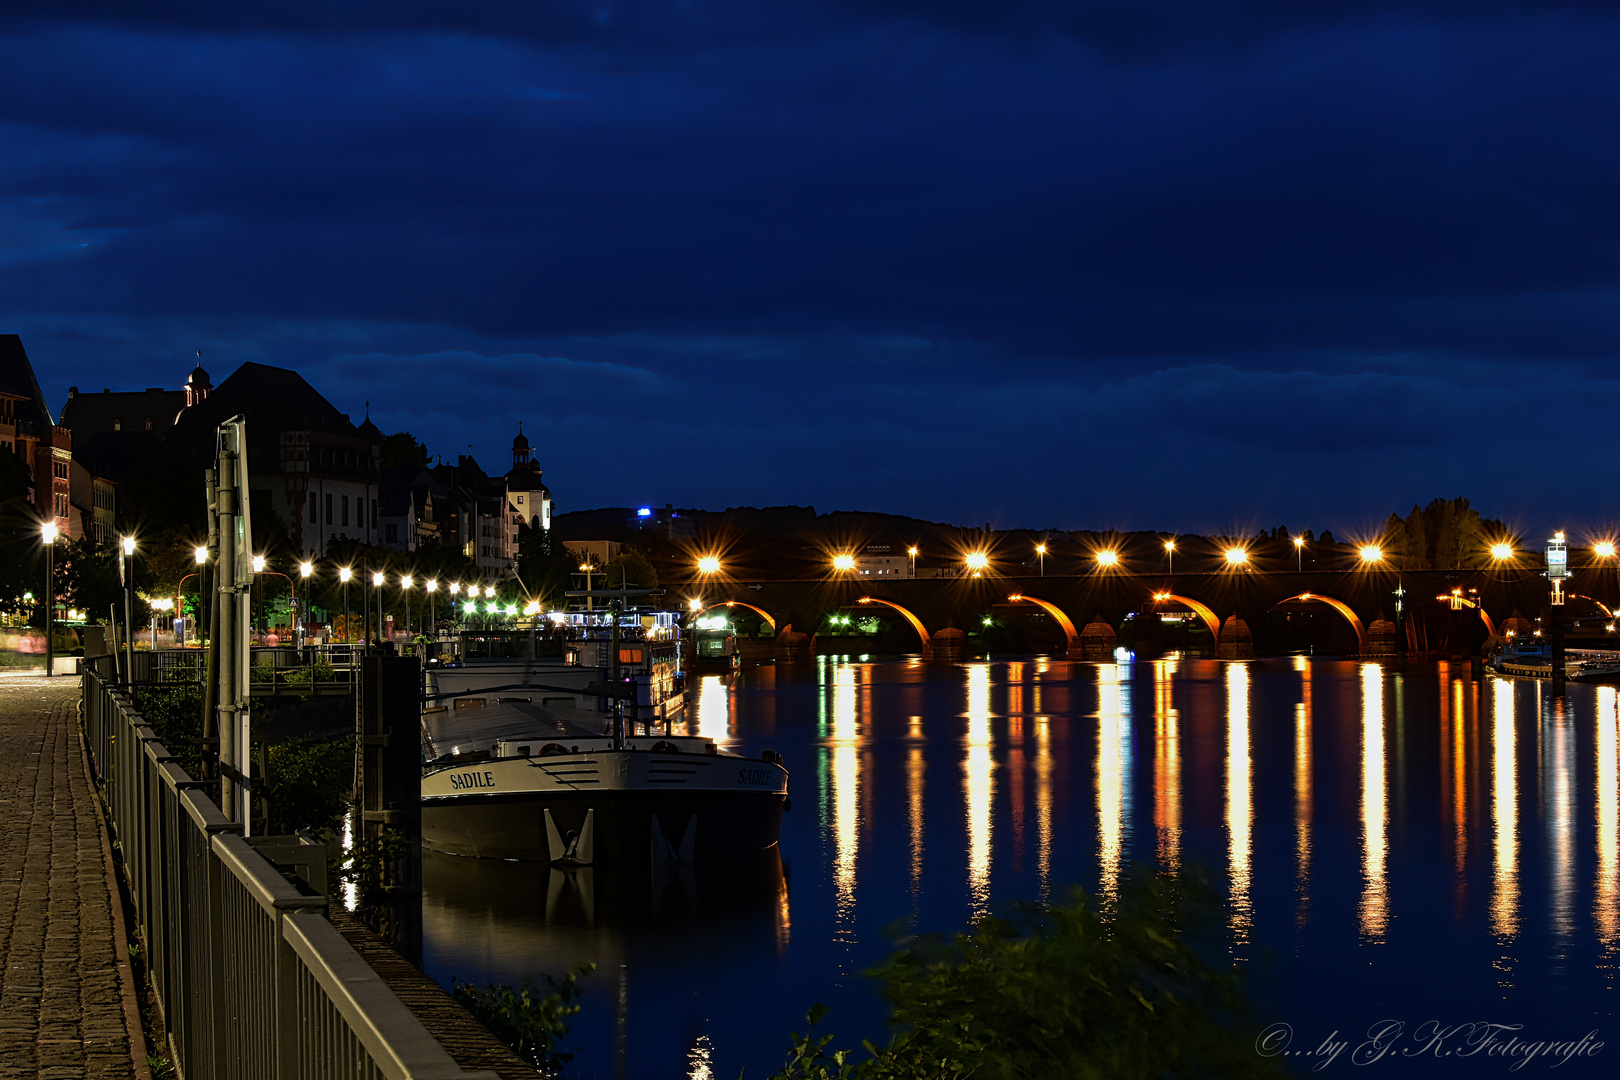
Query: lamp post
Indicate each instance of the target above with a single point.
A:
(405, 592)
(489, 604)
(977, 562)
(1170, 554)
(433, 607)
(47, 534)
(377, 587)
(1299, 554)
(306, 570)
(911, 552)
(1040, 551)
(344, 574)
(200, 556)
(1107, 559)
(126, 577)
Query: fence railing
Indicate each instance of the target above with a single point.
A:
(252, 979)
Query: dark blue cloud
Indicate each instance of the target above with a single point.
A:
(1034, 261)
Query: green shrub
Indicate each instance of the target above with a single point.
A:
(1060, 993)
(533, 1023)
(308, 782)
(320, 671)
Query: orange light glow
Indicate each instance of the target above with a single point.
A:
(1371, 553)
(843, 561)
(709, 564)
(1107, 557)
(977, 560)
(1236, 556)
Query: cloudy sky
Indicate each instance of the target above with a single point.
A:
(1136, 263)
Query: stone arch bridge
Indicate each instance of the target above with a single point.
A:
(1446, 610)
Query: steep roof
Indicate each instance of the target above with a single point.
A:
(18, 379)
(272, 399)
(93, 414)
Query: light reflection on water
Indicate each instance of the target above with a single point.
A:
(1374, 806)
(1239, 803)
(1402, 843)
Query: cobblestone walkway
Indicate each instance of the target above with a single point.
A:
(61, 1005)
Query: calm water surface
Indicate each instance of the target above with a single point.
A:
(1417, 847)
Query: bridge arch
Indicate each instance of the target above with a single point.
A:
(1211, 620)
(1053, 610)
(1337, 605)
(916, 623)
(761, 612)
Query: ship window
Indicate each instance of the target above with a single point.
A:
(629, 656)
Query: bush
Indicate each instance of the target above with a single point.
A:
(1057, 993)
(320, 671)
(307, 783)
(532, 1023)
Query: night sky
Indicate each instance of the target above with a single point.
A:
(1138, 263)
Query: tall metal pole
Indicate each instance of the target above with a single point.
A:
(228, 628)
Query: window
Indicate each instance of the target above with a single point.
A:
(373, 513)
(392, 533)
(314, 509)
(520, 500)
(329, 508)
(345, 510)
(360, 511)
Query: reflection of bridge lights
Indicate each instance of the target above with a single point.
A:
(1371, 553)
(1236, 556)
(1107, 557)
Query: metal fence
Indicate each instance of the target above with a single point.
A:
(271, 669)
(253, 981)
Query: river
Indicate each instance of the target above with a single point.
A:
(1411, 847)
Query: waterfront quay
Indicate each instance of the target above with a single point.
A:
(66, 1001)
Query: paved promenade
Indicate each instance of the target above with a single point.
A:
(62, 1010)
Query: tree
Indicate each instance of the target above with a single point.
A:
(401, 450)
(544, 566)
(630, 570)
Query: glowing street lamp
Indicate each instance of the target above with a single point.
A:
(1501, 552)
(708, 564)
(1299, 553)
(844, 562)
(344, 574)
(1603, 549)
(1040, 551)
(258, 564)
(200, 555)
(1107, 558)
(126, 575)
(47, 535)
(1237, 556)
(912, 553)
(306, 570)
(977, 561)
(405, 587)
(1371, 554)
(1170, 555)
(377, 580)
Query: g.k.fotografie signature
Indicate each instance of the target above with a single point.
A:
(1390, 1038)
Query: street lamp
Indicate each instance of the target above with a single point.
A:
(843, 562)
(708, 564)
(1170, 555)
(1040, 553)
(405, 589)
(977, 561)
(126, 577)
(306, 569)
(1107, 558)
(1299, 554)
(377, 580)
(912, 553)
(432, 587)
(200, 555)
(47, 534)
(1237, 556)
(1371, 554)
(344, 574)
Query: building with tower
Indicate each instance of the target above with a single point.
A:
(28, 430)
